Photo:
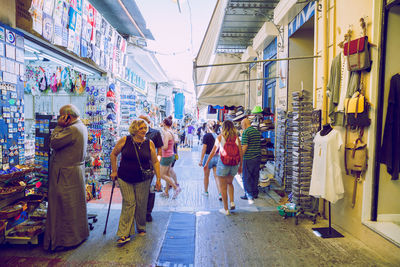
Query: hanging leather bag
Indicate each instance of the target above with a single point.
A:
(356, 156)
(357, 108)
(358, 55)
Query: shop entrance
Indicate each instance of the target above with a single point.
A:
(300, 72)
(385, 207)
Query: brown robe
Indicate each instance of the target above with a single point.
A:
(67, 223)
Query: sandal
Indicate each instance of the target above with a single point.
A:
(142, 232)
(123, 239)
(165, 195)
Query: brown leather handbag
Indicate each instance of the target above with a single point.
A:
(356, 156)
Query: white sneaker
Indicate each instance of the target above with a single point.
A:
(250, 201)
(225, 212)
(205, 194)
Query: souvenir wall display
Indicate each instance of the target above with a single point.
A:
(128, 109)
(12, 68)
(102, 120)
(82, 30)
(44, 78)
(43, 127)
(113, 119)
(95, 120)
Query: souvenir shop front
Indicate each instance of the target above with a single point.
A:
(45, 64)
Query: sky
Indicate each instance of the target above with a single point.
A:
(175, 43)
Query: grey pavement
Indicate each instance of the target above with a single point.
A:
(254, 235)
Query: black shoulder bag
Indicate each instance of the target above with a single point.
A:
(145, 174)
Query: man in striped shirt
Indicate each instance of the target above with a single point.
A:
(251, 160)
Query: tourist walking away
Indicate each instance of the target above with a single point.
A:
(182, 136)
(208, 144)
(251, 160)
(168, 157)
(190, 134)
(172, 172)
(134, 174)
(199, 133)
(229, 162)
(155, 136)
(66, 223)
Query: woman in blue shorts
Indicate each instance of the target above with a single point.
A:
(226, 173)
(208, 144)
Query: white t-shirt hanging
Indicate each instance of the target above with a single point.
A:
(326, 177)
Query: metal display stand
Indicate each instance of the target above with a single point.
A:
(327, 232)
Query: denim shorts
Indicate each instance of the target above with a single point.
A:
(167, 161)
(226, 170)
(213, 161)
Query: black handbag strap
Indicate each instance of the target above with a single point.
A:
(137, 154)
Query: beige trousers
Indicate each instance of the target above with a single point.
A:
(134, 206)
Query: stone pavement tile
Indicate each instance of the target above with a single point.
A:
(264, 239)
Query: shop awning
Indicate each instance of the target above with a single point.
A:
(231, 30)
(125, 16)
(146, 65)
(230, 94)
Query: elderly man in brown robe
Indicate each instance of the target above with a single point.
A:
(67, 223)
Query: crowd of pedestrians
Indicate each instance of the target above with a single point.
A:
(144, 153)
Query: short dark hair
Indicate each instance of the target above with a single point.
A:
(168, 121)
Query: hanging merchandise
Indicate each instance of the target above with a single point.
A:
(389, 151)
(127, 109)
(356, 156)
(326, 180)
(357, 109)
(358, 55)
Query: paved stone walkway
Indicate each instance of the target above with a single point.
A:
(254, 235)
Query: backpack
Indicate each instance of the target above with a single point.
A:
(230, 154)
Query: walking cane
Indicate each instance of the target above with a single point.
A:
(109, 206)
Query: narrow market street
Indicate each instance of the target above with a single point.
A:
(253, 235)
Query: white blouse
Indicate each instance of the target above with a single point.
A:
(326, 177)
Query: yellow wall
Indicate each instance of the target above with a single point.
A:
(301, 43)
(7, 12)
(389, 190)
(343, 15)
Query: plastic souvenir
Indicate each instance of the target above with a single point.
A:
(42, 79)
(53, 83)
(58, 77)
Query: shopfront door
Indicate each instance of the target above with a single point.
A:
(269, 72)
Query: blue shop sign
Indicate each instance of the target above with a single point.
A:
(301, 18)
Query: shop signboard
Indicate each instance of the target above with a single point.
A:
(304, 15)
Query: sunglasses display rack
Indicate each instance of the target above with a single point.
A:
(280, 149)
(302, 145)
(289, 152)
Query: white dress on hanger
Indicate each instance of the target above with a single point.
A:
(326, 177)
